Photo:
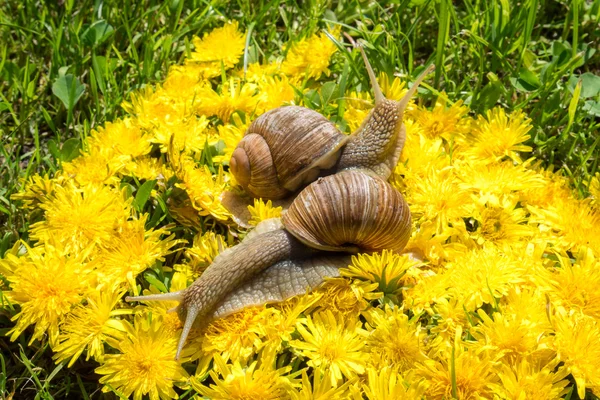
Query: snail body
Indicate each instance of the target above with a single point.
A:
(351, 210)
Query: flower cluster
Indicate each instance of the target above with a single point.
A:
(496, 295)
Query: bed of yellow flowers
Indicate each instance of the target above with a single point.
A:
(498, 297)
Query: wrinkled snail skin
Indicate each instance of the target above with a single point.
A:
(229, 269)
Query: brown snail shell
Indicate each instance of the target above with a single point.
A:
(350, 211)
(284, 149)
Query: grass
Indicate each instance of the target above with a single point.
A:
(65, 68)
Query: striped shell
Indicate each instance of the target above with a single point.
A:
(350, 211)
(284, 149)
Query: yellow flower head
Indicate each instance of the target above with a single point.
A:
(145, 364)
(222, 46)
(386, 384)
(47, 283)
(309, 57)
(334, 343)
(577, 344)
(254, 381)
(132, 250)
(79, 217)
(499, 135)
(88, 327)
(394, 339)
(262, 211)
(204, 190)
(205, 248)
(443, 122)
(234, 96)
(483, 276)
(473, 373)
(573, 286)
(387, 269)
(527, 380)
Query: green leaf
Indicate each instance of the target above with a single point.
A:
(53, 148)
(97, 33)
(143, 194)
(70, 149)
(99, 66)
(151, 279)
(573, 105)
(590, 84)
(527, 81)
(592, 108)
(327, 91)
(68, 89)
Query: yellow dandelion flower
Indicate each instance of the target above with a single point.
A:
(483, 276)
(573, 286)
(334, 343)
(79, 217)
(499, 135)
(529, 305)
(387, 269)
(152, 108)
(254, 381)
(261, 211)
(503, 223)
(94, 169)
(122, 138)
(509, 338)
(147, 168)
(224, 45)
(321, 387)
(88, 326)
(257, 72)
(420, 154)
(46, 284)
(183, 85)
(235, 96)
(577, 344)
(357, 108)
(38, 189)
(205, 247)
(532, 381)
(132, 250)
(309, 57)
(393, 89)
(443, 121)
(448, 315)
(387, 384)
(394, 339)
(430, 289)
(169, 320)
(145, 364)
(437, 197)
(346, 298)
(556, 221)
(204, 190)
(190, 135)
(237, 336)
(231, 136)
(274, 92)
(491, 182)
(473, 374)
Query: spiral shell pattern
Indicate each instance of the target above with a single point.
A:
(350, 211)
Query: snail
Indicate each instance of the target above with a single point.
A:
(352, 210)
(289, 147)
